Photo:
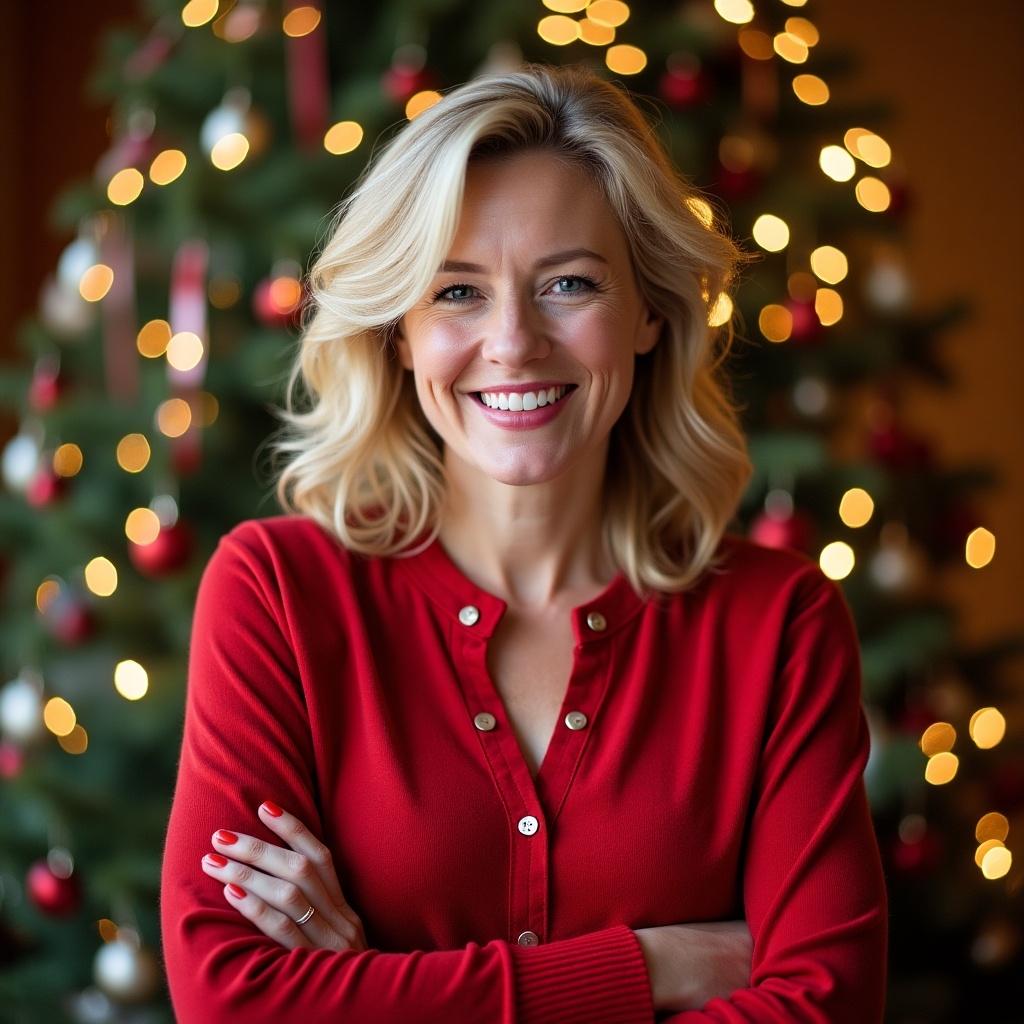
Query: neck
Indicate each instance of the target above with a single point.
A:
(537, 546)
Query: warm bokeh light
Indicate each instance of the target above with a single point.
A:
(937, 738)
(421, 101)
(873, 194)
(153, 338)
(980, 547)
(130, 679)
(46, 593)
(565, 6)
(133, 453)
(198, 12)
(224, 291)
(209, 408)
(343, 137)
(790, 47)
(229, 151)
(558, 30)
(829, 264)
(992, 826)
(869, 147)
(595, 35)
(76, 741)
(856, 508)
(771, 232)
(625, 59)
(101, 576)
(59, 716)
(996, 862)
(608, 13)
(167, 166)
(756, 44)
(125, 186)
(736, 12)
(300, 21)
(775, 322)
(173, 417)
(836, 560)
(96, 282)
(837, 163)
(67, 460)
(987, 727)
(185, 350)
(941, 768)
(142, 526)
(285, 293)
(810, 89)
(828, 305)
(804, 30)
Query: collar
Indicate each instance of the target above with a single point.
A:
(470, 606)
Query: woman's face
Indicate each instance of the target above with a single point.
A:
(511, 321)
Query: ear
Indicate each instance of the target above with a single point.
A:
(649, 332)
(402, 346)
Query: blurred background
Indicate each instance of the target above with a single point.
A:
(167, 173)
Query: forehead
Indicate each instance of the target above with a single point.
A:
(533, 193)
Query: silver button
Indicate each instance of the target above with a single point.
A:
(576, 720)
(528, 825)
(485, 721)
(469, 615)
(528, 939)
(596, 621)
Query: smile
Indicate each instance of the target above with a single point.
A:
(523, 418)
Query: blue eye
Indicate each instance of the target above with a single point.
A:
(591, 285)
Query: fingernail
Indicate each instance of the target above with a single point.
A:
(216, 859)
(236, 890)
(272, 809)
(222, 835)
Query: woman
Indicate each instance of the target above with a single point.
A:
(497, 722)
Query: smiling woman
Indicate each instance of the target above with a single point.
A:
(497, 722)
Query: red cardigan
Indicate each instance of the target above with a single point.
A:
(707, 765)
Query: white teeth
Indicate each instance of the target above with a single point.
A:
(520, 402)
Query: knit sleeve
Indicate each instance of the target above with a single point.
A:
(247, 738)
(813, 885)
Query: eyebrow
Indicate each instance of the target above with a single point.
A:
(553, 260)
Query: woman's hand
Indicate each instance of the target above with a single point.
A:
(688, 964)
(280, 884)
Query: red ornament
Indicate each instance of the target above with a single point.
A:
(278, 302)
(918, 857)
(12, 757)
(807, 327)
(683, 87)
(47, 385)
(171, 549)
(69, 619)
(46, 487)
(796, 531)
(401, 81)
(899, 449)
(51, 893)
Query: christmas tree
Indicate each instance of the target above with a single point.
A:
(159, 353)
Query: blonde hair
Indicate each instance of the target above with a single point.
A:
(364, 461)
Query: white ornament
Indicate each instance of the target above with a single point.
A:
(21, 710)
(20, 461)
(75, 260)
(63, 309)
(125, 969)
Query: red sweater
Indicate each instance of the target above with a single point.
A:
(712, 771)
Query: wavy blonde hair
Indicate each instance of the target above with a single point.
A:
(361, 457)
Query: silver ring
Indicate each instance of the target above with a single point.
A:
(307, 915)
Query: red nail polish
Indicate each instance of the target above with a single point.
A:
(236, 890)
(216, 859)
(272, 809)
(226, 837)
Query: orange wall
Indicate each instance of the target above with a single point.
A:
(953, 77)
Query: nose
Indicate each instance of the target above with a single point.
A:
(514, 333)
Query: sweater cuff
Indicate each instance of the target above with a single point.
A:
(597, 978)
